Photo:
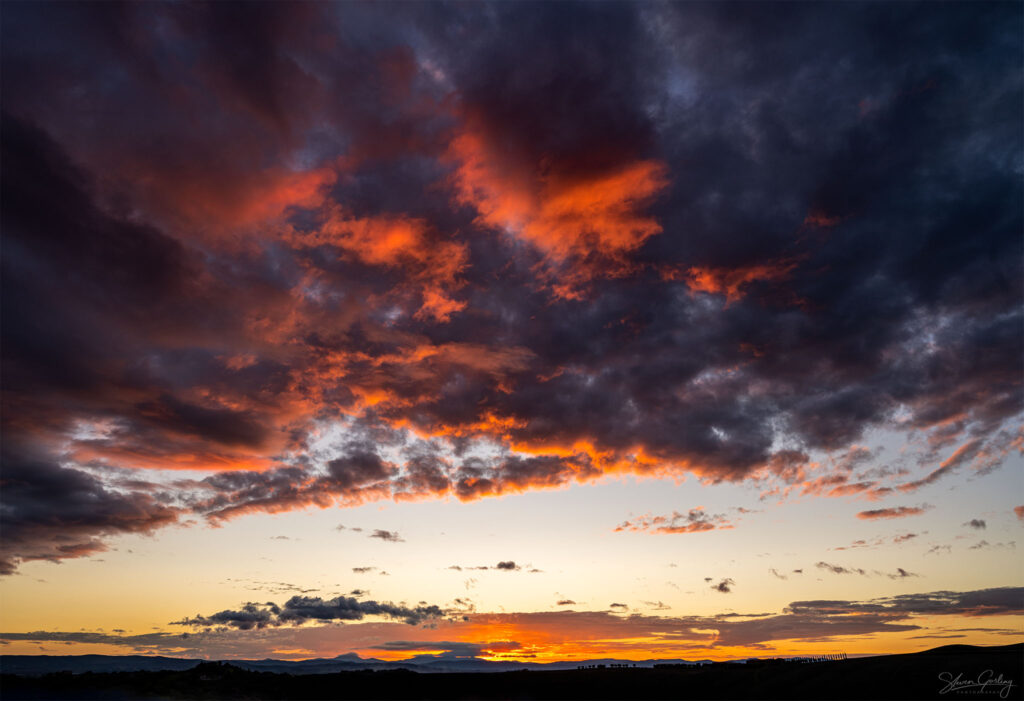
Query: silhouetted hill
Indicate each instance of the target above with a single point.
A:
(951, 672)
(32, 665)
(38, 665)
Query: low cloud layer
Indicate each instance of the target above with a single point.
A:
(593, 633)
(300, 609)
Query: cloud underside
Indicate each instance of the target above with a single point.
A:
(495, 271)
(562, 631)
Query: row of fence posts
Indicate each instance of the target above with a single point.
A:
(829, 658)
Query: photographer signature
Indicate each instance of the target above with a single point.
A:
(984, 682)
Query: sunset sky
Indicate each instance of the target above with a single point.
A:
(520, 331)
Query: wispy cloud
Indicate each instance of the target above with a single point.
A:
(694, 521)
(893, 512)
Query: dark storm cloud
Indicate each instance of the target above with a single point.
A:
(51, 512)
(356, 470)
(604, 236)
(300, 609)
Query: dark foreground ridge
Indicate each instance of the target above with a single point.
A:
(950, 672)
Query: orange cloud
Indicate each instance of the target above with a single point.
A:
(213, 207)
(416, 372)
(731, 281)
(894, 512)
(181, 455)
(575, 216)
(399, 242)
(821, 220)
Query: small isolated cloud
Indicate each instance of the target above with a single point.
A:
(936, 549)
(363, 570)
(565, 602)
(504, 566)
(838, 569)
(1019, 511)
(984, 545)
(893, 512)
(465, 605)
(903, 538)
(621, 607)
(656, 605)
(976, 523)
(725, 586)
(878, 542)
(901, 574)
(389, 536)
(280, 537)
(341, 527)
(694, 521)
(777, 573)
(274, 587)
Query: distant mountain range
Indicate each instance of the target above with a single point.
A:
(37, 665)
(957, 670)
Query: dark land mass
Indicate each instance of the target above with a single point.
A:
(38, 665)
(949, 672)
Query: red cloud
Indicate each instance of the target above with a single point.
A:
(578, 215)
(731, 281)
(894, 512)
(431, 265)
